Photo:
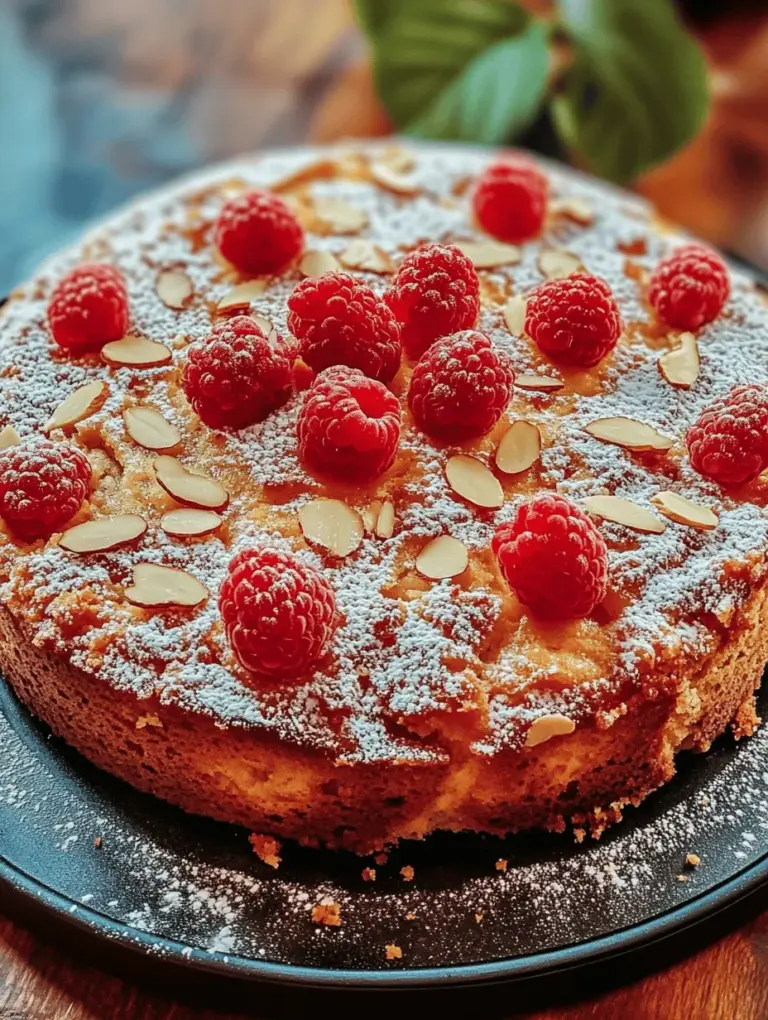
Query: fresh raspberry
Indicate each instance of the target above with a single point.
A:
(729, 442)
(88, 308)
(575, 320)
(279, 614)
(237, 375)
(510, 199)
(689, 287)
(553, 557)
(340, 321)
(434, 293)
(349, 425)
(42, 486)
(258, 233)
(460, 387)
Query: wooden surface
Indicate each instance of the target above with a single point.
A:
(278, 71)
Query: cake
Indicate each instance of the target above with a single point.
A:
(437, 691)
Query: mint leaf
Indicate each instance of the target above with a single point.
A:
(374, 14)
(637, 90)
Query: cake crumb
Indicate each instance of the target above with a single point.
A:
(410, 916)
(579, 835)
(369, 874)
(97, 842)
(327, 913)
(682, 878)
(478, 917)
(501, 864)
(148, 720)
(381, 859)
(693, 860)
(394, 952)
(267, 848)
(407, 872)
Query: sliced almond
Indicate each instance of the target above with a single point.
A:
(149, 429)
(103, 533)
(315, 263)
(9, 437)
(174, 288)
(263, 323)
(188, 487)
(388, 178)
(519, 449)
(681, 366)
(385, 524)
(514, 315)
(370, 516)
(490, 254)
(475, 482)
(624, 511)
(542, 383)
(156, 587)
(239, 299)
(364, 254)
(136, 352)
(338, 216)
(332, 524)
(81, 403)
(399, 161)
(577, 209)
(189, 521)
(318, 169)
(556, 263)
(443, 557)
(548, 726)
(683, 511)
(629, 433)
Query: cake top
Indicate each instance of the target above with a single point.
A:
(417, 663)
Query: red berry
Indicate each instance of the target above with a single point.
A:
(340, 321)
(349, 425)
(42, 487)
(88, 308)
(689, 287)
(729, 442)
(237, 376)
(279, 614)
(434, 293)
(510, 199)
(460, 387)
(553, 557)
(575, 320)
(258, 233)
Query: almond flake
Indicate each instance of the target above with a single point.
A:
(624, 511)
(542, 383)
(386, 177)
(519, 449)
(315, 263)
(681, 366)
(155, 587)
(548, 726)
(399, 161)
(514, 315)
(149, 429)
(103, 533)
(81, 403)
(385, 524)
(370, 516)
(263, 323)
(475, 482)
(9, 437)
(442, 557)
(490, 254)
(332, 524)
(318, 169)
(364, 254)
(188, 487)
(556, 263)
(189, 521)
(338, 216)
(136, 352)
(683, 511)
(174, 288)
(238, 301)
(629, 433)
(577, 209)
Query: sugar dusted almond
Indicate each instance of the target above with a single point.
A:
(239, 299)
(577, 209)
(683, 511)
(103, 533)
(188, 487)
(399, 160)
(443, 557)
(81, 403)
(490, 254)
(519, 449)
(9, 437)
(624, 511)
(629, 433)
(364, 254)
(514, 315)
(475, 482)
(315, 263)
(385, 523)
(149, 429)
(556, 263)
(158, 587)
(189, 521)
(548, 726)
(541, 383)
(370, 516)
(391, 180)
(332, 524)
(174, 288)
(263, 323)
(338, 216)
(681, 366)
(317, 170)
(136, 352)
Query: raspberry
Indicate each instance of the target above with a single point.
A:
(460, 387)
(434, 293)
(340, 321)
(575, 320)
(689, 287)
(279, 614)
(237, 376)
(729, 442)
(258, 233)
(88, 308)
(510, 199)
(349, 425)
(42, 486)
(553, 557)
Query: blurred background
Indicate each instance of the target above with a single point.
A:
(100, 99)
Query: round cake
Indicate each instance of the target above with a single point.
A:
(350, 494)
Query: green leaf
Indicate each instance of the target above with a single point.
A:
(374, 14)
(637, 90)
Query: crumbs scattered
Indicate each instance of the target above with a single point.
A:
(407, 872)
(381, 859)
(394, 952)
(692, 860)
(328, 913)
(410, 916)
(369, 874)
(478, 917)
(97, 842)
(501, 864)
(267, 848)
